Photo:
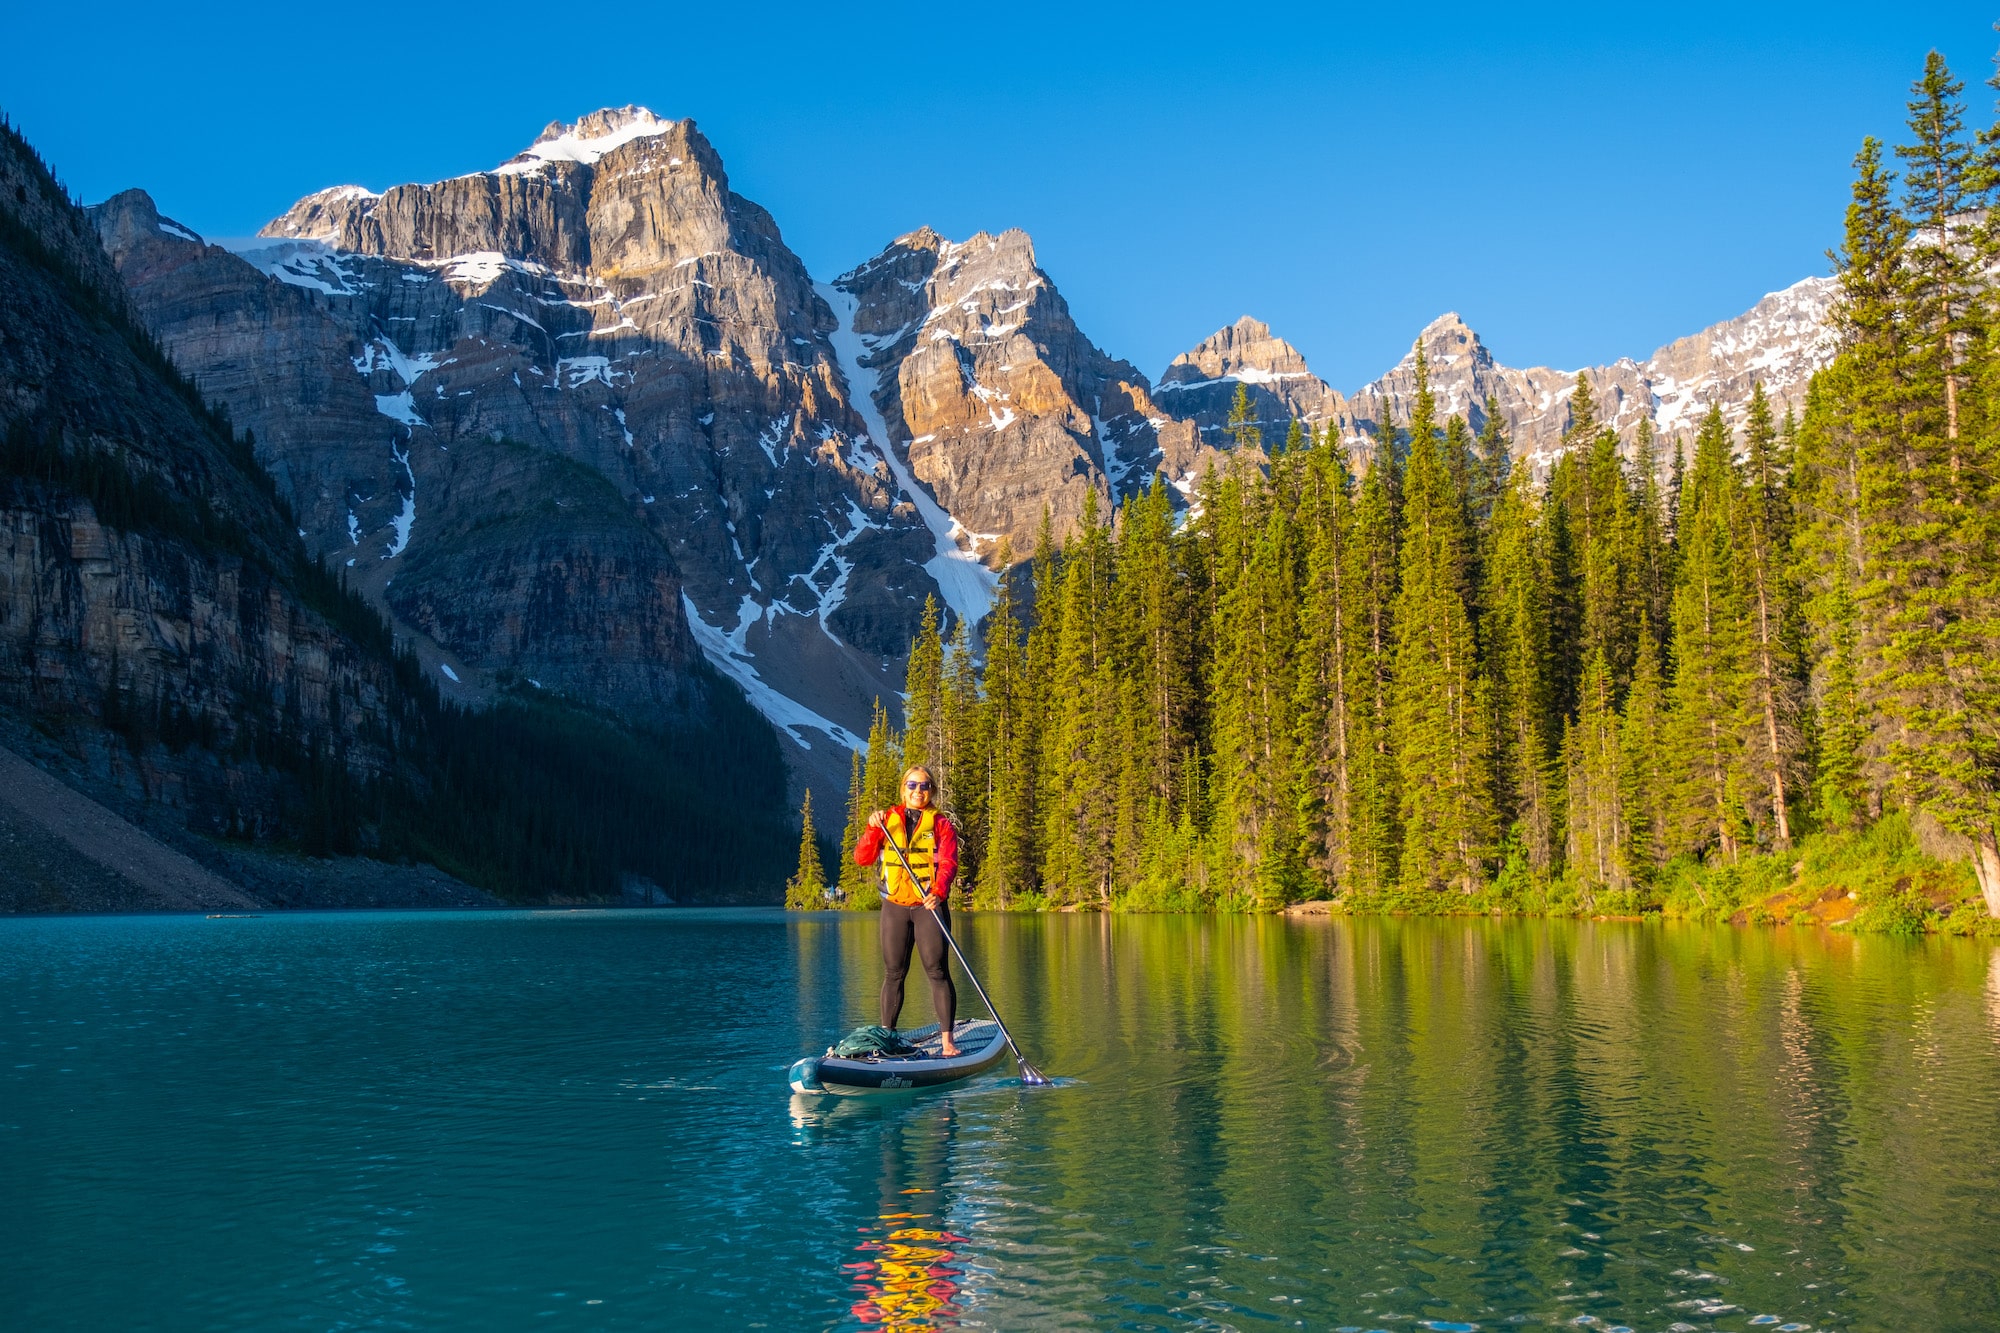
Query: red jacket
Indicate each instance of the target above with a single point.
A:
(945, 862)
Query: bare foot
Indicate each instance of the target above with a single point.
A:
(946, 1046)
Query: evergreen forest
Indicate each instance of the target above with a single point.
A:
(1667, 673)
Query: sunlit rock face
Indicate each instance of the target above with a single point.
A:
(1004, 408)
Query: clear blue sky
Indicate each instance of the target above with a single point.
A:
(1580, 182)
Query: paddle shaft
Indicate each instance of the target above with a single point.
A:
(1029, 1074)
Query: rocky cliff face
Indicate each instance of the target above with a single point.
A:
(547, 409)
(1001, 405)
(147, 614)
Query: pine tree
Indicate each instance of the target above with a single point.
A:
(1774, 744)
(1251, 727)
(923, 698)
(1005, 868)
(1704, 736)
(1928, 605)
(1437, 720)
(1242, 423)
(1328, 642)
(857, 883)
(1516, 628)
(962, 764)
(1939, 278)
(1078, 769)
(806, 890)
(1598, 787)
(1652, 547)
(1156, 655)
(1649, 777)
(881, 779)
(1495, 463)
(1851, 415)
(1371, 559)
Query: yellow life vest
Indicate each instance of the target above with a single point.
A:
(921, 850)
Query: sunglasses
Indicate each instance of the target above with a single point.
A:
(916, 786)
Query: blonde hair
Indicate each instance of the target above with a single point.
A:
(924, 769)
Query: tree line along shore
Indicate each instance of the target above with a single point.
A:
(1752, 675)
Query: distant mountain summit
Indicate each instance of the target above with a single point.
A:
(1201, 384)
(1779, 342)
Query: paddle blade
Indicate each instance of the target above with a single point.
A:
(1031, 1076)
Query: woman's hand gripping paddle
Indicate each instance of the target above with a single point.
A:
(1030, 1075)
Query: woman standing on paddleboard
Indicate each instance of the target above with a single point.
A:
(930, 844)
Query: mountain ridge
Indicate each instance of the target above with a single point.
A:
(801, 462)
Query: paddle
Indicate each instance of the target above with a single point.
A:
(1030, 1075)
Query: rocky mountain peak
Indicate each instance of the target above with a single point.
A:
(130, 217)
(1447, 339)
(1246, 349)
(981, 380)
(1200, 386)
(590, 137)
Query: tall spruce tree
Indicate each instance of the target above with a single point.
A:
(1928, 605)
(962, 765)
(1704, 736)
(1516, 628)
(1851, 416)
(1598, 787)
(923, 696)
(806, 890)
(1251, 728)
(1328, 642)
(1774, 745)
(1242, 423)
(1649, 777)
(1493, 466)
(1437, 718)
(1374, 829)
(857, 883)
(1078, 766)
(1006, 863)
(1157, 667)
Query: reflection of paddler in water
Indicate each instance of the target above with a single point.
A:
(908, 1277)
(929, 843)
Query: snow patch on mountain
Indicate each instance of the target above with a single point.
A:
(301, 262)
(399, 407)
(968, 586)
(588, 140)
(726, 650)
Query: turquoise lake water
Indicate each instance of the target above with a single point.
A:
(580, 1121)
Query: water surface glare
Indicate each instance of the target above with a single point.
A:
(557, 1120)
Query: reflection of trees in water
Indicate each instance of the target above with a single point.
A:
(1447, 1120)
(1993, 993)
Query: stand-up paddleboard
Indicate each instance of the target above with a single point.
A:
(980, 1046)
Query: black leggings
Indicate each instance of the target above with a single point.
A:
(902, 927)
